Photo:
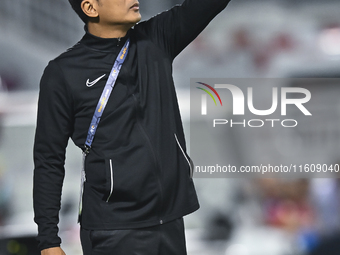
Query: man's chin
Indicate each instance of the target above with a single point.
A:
(138, 18)
(135, 21)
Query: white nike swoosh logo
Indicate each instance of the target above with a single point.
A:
(90, 84)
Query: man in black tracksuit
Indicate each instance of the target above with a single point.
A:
(138, 175)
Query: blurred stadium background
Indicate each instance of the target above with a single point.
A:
(250, 39)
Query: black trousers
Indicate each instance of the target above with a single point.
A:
(165, 239)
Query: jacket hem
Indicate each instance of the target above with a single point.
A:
(140, 224)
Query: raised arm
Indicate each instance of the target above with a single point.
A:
(54, 127)
(174, 29)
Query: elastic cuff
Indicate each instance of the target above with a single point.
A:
(48, 246)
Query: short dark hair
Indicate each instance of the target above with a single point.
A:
(76, 5)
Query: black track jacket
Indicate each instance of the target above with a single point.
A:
(138, 173)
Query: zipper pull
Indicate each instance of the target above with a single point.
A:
(118, 42)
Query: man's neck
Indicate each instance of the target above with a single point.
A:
(108, 31)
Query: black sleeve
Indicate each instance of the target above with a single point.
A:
(54, 127)
(174, 29)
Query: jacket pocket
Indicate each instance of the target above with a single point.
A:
(110, 178)
(189, 161)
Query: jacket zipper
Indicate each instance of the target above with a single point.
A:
(155, 159)
(185, 156)
(111, 189)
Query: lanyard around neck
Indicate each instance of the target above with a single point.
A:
(111, 81)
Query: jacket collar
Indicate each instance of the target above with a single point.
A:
(102, 44)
